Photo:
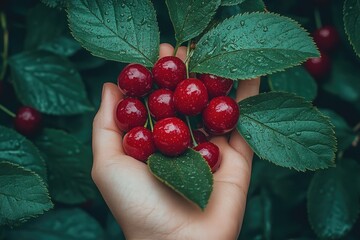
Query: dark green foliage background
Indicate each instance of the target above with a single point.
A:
(280, 201)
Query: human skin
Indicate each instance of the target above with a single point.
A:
(147, 209)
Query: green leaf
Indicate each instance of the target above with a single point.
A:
(344, 134)
(40, 26)
(188, 174)
(18, 150)
(54, 3)
(333, 201)
(69, 164)
(352, 23)
(287, 131)
(62, 46)
(231, 2)
(125, 31)
(23, 194)
(191, 17)
(295, 80)
(60, 224)
(49, 83)
(251, 45)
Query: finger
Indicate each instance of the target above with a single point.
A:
(107, 138)
(181, 53)
(168, 50)
(245, 89)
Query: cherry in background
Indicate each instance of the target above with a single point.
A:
(168, 72)
(135, 80)
(326, 38)
(319, 67)
(28, 121)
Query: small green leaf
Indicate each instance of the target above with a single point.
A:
(191, 17)
(69, 164)
(344, 134)
(49, 83)
(231, 2)
(188, 174)
(18, 150)
(352, 23)
(124, 31)
(287, 131)
(60, 224)
(294, 80)
(62, 46)
(23, 194)
(251, 45)
(333, 202)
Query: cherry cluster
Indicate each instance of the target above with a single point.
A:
(166, 97)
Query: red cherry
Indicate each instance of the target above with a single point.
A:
(171, 136)
(130, 113)
(199, 136)
(210, 152)
(326, 38)
(221, 115)
(190, 97)
(139, 143)
(168, 72)
(161, 104)
(135, 80)
(28, 121)
(216, 86)
(319, 67)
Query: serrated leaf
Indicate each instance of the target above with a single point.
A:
(251, 45)
(40, 31)
(60, 224)
(191, 17)
(69, 165)
(294, 80)
(344, 134)
(54, 3)
(62, 46)
(287, 131)
(23, 194)
(16, 149)
(124, 31)
(49, 83)
(188, 174)
(352, 23)
(231, 2)
(333, 202)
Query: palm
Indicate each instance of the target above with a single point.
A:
(146, 208)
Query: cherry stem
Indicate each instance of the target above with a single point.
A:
(191, 132)
(317, 17)
(176, 49)
(7, 111)
(149, 120)
(187, 59)
(6, 44)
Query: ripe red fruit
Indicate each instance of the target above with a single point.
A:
(216, 86)
(190, 97)
(130, 113)
(319, 67)
(168, 72)
(28, 121)
(171, 136)
(326, 38)
(139, 143)
(221, 115)
(199, 136)
(135, 80)
(210, 152)
(161, 104)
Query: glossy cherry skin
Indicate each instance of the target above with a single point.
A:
(326, 38)
(190, 97)
(199, 136)
(216, 86)
(139, 143)
(28, 121)
(171, 136)
(168, 72)
(319, 67)
(130, 113)
(221, 115)
(211, 153)
(135, 80)
(161, 104)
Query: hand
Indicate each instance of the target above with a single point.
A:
(146, 208)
